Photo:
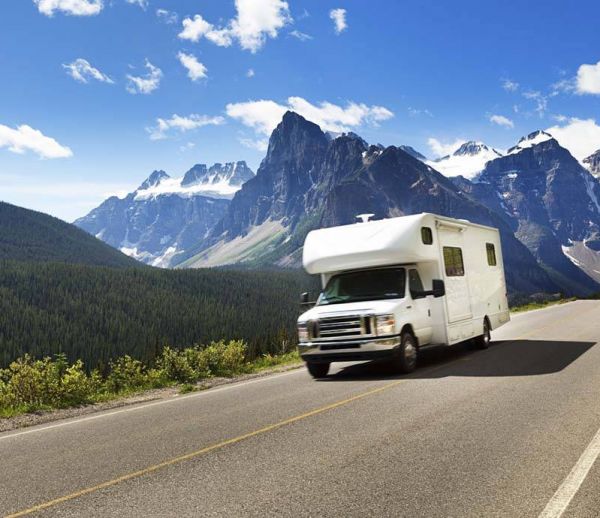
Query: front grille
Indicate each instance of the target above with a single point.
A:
(330, 328)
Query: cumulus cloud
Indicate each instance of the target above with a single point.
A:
(339, 20)
(25, 138)
(81, 70)
(510, 86)
(302, 36)
(195, 69)
(71, 7)
(588, 79)
(168, 17)
(440, 149)
(145, 84)
(255, 21)
(181, 124)
(580, 136)
(501, 120)
(264, 115)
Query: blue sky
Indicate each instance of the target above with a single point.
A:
(428, 74)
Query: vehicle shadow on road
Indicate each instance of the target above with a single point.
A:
(503, 358)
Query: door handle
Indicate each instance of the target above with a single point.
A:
(408, 307)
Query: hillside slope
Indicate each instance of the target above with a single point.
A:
(27, 235)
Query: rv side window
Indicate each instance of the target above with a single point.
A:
(491, 254)
(453, 261)
(426, 236)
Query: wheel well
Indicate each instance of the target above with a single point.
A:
(409, 329)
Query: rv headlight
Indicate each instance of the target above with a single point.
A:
(385, 325)
(302, 332)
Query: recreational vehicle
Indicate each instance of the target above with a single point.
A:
(391, 287)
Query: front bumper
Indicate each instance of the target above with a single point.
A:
(349, 351)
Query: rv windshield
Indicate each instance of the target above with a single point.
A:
(385, 283)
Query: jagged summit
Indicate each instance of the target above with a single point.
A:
(413, 152)
(155, 178)
(592, 163)
(533, 139)
(232, 173)
(472, 148)
(467, 160)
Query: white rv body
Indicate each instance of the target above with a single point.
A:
(475, 288)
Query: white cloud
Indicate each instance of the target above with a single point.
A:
(264, 115)
(588, 79)
(182, 124)
(72, 7)
(302, 36)
(82, 71)
(145, 84)
(169, 17)
(142, 3)
(501, 120)
(258, 144)
(339, 20)
(510, 86)
(416, 112)
(250, 72)
(580, 136)
(196, 70)
(25, 138)
(255, 21)
(440, 149)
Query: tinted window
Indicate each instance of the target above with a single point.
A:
(453, 261)
(385, 283)
(427, 235)
(491, 254)
(414, 282)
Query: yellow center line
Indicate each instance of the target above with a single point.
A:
(188, 456)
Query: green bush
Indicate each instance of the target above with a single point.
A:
(126, 374)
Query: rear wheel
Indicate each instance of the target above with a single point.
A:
(317, 370)
(406, 360)
(483, 341)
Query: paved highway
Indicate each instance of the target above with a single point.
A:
(509, 431)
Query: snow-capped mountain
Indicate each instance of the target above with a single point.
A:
(166, 216)
(468, 160)
(592, 163)
(216, 181)
(551, 202)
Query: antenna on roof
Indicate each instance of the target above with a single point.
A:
(364, 218)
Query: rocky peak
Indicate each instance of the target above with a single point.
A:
(153, 180)
(533, 139)
(592, 162)
(197, 174)
(413, 152)
(472, 148)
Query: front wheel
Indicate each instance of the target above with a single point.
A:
(406, 360)
(483, 341)
(317, 370)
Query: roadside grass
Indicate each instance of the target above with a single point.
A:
(538, 305)
(33, 385)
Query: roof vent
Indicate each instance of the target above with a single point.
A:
(364, 218)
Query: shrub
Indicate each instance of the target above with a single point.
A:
(176, 366)
(126, 374)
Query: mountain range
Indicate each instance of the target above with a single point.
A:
(165, 216)
(544, 202)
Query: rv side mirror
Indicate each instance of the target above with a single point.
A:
(439, 289)
(304, 298)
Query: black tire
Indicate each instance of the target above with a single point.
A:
(483, 341)
(317, 370)
(406, 359)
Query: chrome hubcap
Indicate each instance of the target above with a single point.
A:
(410, 351)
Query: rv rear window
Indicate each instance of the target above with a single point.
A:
(426, 235)
(491, 254)
(453, 261)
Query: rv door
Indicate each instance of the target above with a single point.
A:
(457, 299)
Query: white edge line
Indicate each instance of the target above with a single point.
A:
(141, 406)
(567, 490)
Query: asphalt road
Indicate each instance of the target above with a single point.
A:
(508, 431)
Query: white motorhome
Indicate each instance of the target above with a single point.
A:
(394, 286)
